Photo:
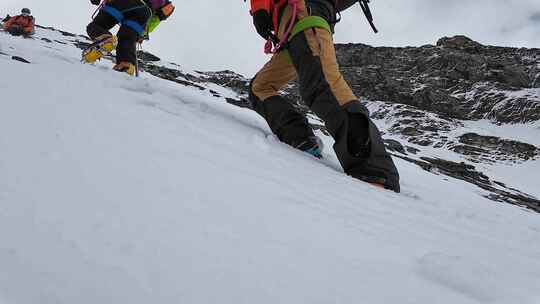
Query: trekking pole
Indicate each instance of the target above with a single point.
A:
(364, 4)
(139, 45)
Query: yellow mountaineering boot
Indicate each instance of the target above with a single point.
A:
(103, 45)
(125, 67)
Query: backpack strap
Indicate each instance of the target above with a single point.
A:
(117, 14)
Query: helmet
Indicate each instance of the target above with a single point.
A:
(26, 11)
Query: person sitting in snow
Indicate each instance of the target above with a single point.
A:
(137, 19)
(21, 25)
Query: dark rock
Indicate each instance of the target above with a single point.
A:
(45, 27)
(230, 79)
(456, 79)
(410, 131)
(421, 141)
(412, 150)
(494, 148)
(82, 44)
(68, 34)
(394, 145)
(469, 174)
(17, 58)
(460, 43)
(145, 56)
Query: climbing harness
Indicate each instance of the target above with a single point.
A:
(273, 44)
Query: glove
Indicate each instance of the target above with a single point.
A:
(95, 2)
(263, 23)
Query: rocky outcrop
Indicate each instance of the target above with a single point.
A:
(481, 148)
(495, 190)
(458, 78)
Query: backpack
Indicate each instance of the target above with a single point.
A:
(162, 8)
(342, 5)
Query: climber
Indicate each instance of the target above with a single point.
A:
(21, 25)
(137, 19)
(299, 34)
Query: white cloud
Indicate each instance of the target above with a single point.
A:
(218, 34)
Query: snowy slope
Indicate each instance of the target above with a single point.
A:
(122, 190)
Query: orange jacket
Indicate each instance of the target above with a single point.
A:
(25, 22)
(257, 5)
(275, 5)
(271, 6)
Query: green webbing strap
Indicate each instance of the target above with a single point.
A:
(302, 25)
(309, 22)
(152, 23)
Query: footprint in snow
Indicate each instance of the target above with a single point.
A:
(138, 86)
(261, 142)
(17, 58)
(147, 103)
(465, 276)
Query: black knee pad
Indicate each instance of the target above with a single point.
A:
(376, 161)
(126, 49)
(127, 34)
(254, 100)
(93, 30)
(285, 121)
(358, 141)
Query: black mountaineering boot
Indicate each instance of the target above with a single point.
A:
(361, 149)
(358, 143)
(287, 123)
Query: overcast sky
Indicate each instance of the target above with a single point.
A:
(217, 34)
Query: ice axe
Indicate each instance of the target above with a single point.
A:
(364, 4)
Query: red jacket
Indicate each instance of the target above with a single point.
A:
(25, 22)
(271, 6)
(274, 6)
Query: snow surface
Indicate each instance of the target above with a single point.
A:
(519, 176)
(123, 190)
